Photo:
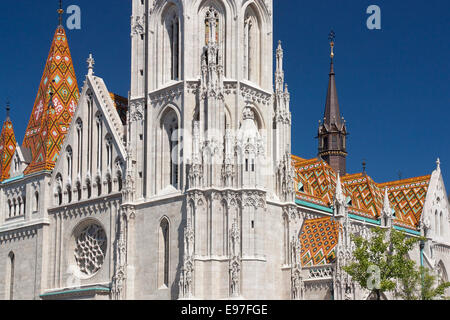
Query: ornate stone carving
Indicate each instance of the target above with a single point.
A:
(137, 25)
(119, 277)
(254, 95)
(256, 199)
(297, 284)
(235, 277)
(196, 197)
(235, 261)
(285, 176)
(187, 272)
(167, 94)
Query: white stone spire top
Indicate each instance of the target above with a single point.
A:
(438, 164)
(386, 204)
(91, 62)
(340, 197)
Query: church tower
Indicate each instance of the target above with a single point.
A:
(206, 133)
(333, 130)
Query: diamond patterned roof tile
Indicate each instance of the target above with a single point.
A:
(54, 106)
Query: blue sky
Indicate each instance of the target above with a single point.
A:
(393, 83)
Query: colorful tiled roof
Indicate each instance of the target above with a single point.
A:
(407, 197)
(318, 239)
(316, 184)
(315, 180)
(121, 104)
(365, 194)
(7, 148)
(55, 104)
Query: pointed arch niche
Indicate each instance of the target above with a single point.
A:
(168, 151)
(212, 9)
(252, 45)
(164, 254)
(171, 44)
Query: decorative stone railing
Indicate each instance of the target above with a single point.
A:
(322, 272)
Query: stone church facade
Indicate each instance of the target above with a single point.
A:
(187, 189)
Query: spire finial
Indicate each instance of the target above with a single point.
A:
(8, 108)
(339, 193)
(91, 62)
(438, 163)
(332, 37)
(60, 13)
(386, 202)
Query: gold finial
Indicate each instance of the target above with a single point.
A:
(60, 12)
(332, 37)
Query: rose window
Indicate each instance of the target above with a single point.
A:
(90, 249)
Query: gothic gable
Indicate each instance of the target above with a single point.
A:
(92, 158)
(435, 216)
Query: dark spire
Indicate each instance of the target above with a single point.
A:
(333, 131)
(332, 114)
(60, 13)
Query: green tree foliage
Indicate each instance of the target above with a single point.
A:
(421, 285)
(381, 261)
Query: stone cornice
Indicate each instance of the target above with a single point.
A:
(93, 201)
(21, 230)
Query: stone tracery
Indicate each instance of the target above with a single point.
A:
(90, 249)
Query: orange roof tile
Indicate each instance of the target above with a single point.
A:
(54, 107)
(365, 194)
(7, 148)
(316, 183)
(318, 238)
(407, 197)
(315, 178)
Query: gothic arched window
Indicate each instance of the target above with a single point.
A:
(119, 181)
(79, 146)
(109, 183)
(168, 153)
(10, 207)
(69, 194)
(109, 152)
(436, 223)
(36, 202)
(11, 268)
(59, 196)
(59, 189)
(171, 45)
(69, 162)
(99, 186)
(79, 191)
(89, 189)
(252, 46)
(16, 163)
(99, 142)
(89, 126)
(164, 252)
